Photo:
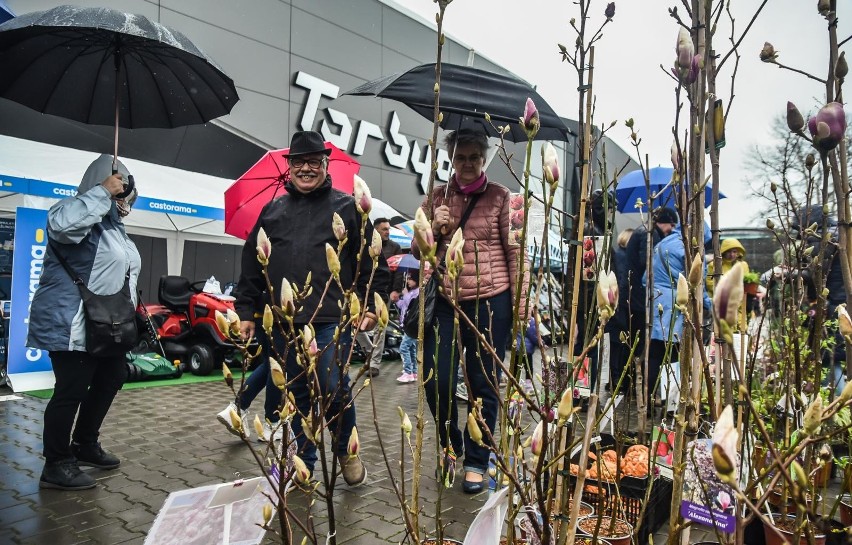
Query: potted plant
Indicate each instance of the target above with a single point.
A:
(788, 526)
(751, 280)
(846, 510)
(615, 530)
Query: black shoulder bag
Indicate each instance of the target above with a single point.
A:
(411, 322)
(110, 319)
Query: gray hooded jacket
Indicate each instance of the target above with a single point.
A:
(89, 233)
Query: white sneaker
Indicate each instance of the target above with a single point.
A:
(225, 418)
(275, 431)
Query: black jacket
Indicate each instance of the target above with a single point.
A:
(637, 261)
(299, 226)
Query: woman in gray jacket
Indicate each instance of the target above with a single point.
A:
(88, 232)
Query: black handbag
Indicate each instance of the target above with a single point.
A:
(110, 319)
(411, 321)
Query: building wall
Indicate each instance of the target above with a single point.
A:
(290, 61)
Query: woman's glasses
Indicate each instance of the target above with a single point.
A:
(313, 163)
(461, 159)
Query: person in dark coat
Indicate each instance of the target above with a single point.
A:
(299, 226)
(372, 343)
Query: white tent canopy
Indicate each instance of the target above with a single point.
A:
(173, 204)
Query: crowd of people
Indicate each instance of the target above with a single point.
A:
(86, 235)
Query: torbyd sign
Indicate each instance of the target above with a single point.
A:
(397, 150)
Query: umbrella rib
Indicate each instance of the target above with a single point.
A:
(186, 66)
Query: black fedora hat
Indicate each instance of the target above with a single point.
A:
(306, 142)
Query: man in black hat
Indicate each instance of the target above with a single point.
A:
(299, 227)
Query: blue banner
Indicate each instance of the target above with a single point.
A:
(27, 261)
(41, 188)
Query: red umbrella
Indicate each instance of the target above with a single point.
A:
(265, 180)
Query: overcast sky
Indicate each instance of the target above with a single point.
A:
(522, 35)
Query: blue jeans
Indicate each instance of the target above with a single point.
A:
(335, 389)
(483, 372)
(261, 378)
(408, 351)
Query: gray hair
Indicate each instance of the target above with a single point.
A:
(464, 137)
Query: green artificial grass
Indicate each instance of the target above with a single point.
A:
(186, 378)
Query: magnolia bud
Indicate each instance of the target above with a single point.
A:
(810, 161)
(226, 372)
(473, 429)
(813, 417)
(267, 513)
(770, 224)
(841, 68)
(795, 121)
(768, 53)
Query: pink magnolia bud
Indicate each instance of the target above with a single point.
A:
(844, 321)
(607, 295)
(288, 304)
(828, 126)
(264, 247)
(309, 340)
(538, 437)
(354, 445)
(338, 226)
(725, 438)
(685, 49)
(376, 246)
(363, 199)
(300, 471)
(726, 300)
(530, 120)
(550, 164)
(423, 235)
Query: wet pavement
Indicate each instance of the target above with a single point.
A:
(169, 439)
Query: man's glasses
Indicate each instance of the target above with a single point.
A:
(313, 163)
(461, 159)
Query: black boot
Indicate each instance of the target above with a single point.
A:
(92, 455)
(65, 475)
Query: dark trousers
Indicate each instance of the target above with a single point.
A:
(656, 354)
(483, 373)
(261, 378)
(84, 384)
(335, 390)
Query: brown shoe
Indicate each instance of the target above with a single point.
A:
(354, 472)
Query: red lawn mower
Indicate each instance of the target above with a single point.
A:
(183, 325)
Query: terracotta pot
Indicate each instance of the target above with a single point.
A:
(846, 510)
(772, 537)
(750, 288)
(586, 526)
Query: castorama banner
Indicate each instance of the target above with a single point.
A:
(29, 368)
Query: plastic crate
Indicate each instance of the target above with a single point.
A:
(625, 500)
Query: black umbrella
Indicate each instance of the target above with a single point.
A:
(467, 94)
(103, 67)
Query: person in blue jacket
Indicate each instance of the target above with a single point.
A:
(88, 231)
(668, 261)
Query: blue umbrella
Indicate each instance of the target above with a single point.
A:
(408, 262)
(631, 187)
(5, 12)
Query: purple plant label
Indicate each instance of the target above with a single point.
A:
(725, 522)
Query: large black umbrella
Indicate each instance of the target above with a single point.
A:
(467, 94)
(103, 67)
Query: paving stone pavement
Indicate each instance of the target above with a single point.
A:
(169, 439)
